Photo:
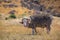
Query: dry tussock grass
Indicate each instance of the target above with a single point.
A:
(12, 30)
(16, 31)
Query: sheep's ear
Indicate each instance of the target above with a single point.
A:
(21, 22)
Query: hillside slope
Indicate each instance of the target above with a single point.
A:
(55, 4)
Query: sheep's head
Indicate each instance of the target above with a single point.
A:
(25, 21)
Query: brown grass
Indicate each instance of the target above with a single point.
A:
(9, 31)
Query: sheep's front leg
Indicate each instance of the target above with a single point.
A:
(34, 29)
(48, 29)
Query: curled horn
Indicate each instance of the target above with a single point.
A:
(28, 18)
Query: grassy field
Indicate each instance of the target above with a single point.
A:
(13, 30)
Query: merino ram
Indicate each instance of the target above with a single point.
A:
(37, 21)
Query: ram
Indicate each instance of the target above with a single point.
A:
(37, 20)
